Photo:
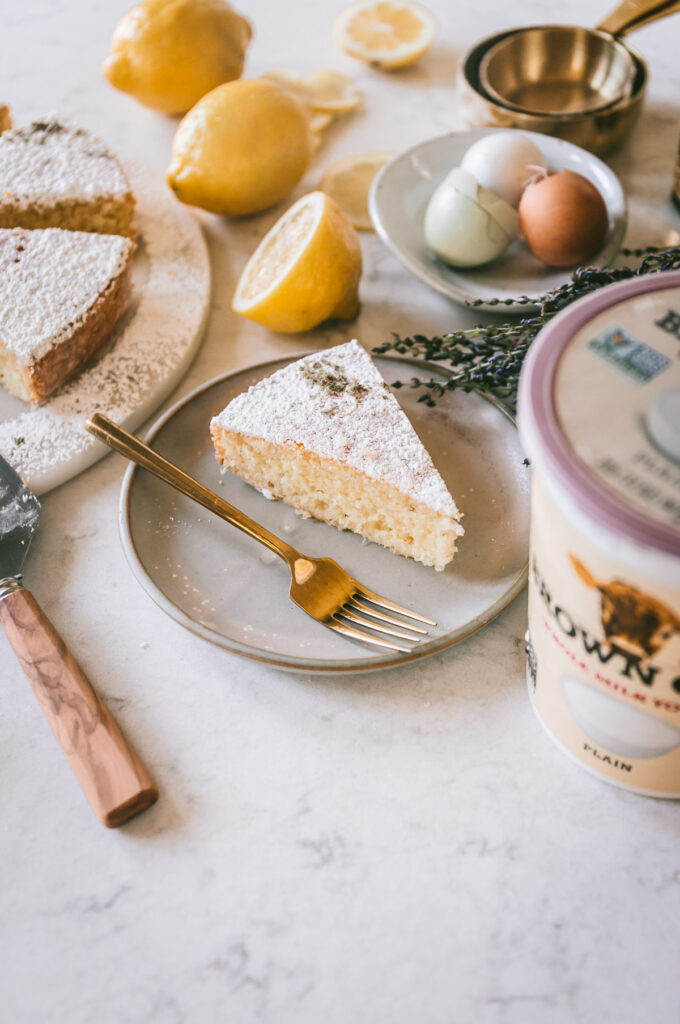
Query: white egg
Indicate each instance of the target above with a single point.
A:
(467, 225)
(504, 162)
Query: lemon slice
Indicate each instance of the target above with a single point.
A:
(318, 122)
(348, 183)
(332, 92)
(305, 270)
(326, 91)
(389, 33)
(292, 83)
(323, 95)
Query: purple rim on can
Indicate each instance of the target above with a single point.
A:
(537, 417)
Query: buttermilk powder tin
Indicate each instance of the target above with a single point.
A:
(599, 418)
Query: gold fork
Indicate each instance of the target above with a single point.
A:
(318, 585)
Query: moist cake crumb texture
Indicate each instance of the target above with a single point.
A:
(319, 401)
(326, 435)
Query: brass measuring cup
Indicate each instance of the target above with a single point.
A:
(596, 126)
(558, 69)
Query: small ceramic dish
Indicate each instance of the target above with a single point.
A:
(228, 589)
(402, 190)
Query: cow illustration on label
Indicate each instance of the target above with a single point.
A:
(636, 623)
(631, 619)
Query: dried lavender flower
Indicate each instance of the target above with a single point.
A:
(489, 357)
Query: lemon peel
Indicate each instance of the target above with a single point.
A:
(319, 121)
(323, 91)
(325, 95)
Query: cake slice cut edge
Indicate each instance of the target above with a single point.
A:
(61, 295)
(326, 436)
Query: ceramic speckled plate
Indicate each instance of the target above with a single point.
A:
(400, 194)
(227, 588)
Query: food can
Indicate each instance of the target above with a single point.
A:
(599, 419)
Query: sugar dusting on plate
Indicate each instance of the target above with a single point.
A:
(144, 359)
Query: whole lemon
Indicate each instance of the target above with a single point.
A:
(169, 53)
(242, 147)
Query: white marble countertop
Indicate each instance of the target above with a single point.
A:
(387, 849)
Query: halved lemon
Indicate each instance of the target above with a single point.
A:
(305, 270)
(388, 33)
(348, 183)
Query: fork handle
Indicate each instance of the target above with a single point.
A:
(127, 444)
(114, 779)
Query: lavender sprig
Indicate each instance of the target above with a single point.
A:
(489, 357)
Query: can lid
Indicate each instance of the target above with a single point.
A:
(599, 407)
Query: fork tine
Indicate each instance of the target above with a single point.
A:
(356, 634)
(384, 603)
(361, 621)
(359, 605)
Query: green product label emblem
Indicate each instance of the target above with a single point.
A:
(632, 357)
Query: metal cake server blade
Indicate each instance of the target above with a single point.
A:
(19, 514)
(114, 779)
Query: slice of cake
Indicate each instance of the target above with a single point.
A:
(57, 175)
(61, 293)
(327, 436)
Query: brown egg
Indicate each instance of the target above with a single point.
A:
(563, 219)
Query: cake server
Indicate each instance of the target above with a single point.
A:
(114, 779)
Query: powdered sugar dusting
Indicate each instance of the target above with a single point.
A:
(49, 280)
(51, 160)
(147, 356)
(337, 405)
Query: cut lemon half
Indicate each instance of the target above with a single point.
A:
(348, 183)
(326, 91)
(305, 270)
(389, 33)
